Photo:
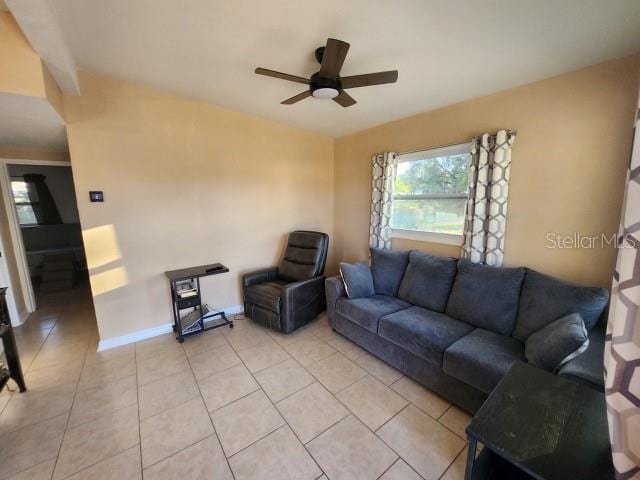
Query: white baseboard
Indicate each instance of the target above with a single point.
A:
(23, 315)
(140, 335)
(134, 337)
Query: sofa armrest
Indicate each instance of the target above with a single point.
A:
(334, 288)
(260, 276)
(300, 300)
(588, 367)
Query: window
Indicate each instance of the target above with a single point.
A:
(430, 194)
(26, 201)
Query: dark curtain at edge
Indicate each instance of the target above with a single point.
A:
(46, 210)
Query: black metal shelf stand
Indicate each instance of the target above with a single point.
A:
(13, 370)
(202, 317)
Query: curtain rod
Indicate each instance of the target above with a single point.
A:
(514, 132)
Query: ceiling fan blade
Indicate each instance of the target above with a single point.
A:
(345, 99)
(296, 98)
(333, 57)
(283, 76)
(368, 79)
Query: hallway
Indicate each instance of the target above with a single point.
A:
(52, 344)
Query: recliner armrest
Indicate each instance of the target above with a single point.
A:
(301, 300)
(334, 287)
(260, 276)
(298, 292)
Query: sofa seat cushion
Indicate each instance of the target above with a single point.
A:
(266, 295)
(482, 358)
(486, 297)
(422, 332)
(545, 299)
(428, 280)
(367, 311)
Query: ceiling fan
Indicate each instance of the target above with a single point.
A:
(327, 83)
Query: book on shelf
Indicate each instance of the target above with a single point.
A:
(187, 293)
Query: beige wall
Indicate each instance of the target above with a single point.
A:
(21, 69)
(568, 170)
(185, 183)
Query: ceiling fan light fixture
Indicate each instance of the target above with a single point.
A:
(327, 84)
(325, 93)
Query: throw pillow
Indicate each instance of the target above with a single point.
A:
(357, 279)
(557, 343)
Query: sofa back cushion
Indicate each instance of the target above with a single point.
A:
(545, 299)
(428, 280)
(486, 297)
(388, 267)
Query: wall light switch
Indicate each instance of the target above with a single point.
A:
(96, 196)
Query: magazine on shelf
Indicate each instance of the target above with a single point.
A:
(191, 322)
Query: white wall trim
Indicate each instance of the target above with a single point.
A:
(22, 317)
(431, 237)
(150, 332)
(134, 337)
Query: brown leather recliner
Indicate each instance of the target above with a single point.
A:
(290, 295)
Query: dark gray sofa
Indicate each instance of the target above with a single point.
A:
(457, 327)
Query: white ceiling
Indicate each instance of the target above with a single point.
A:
(445, 51)
(31, 122)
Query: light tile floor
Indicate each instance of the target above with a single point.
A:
(245, 403)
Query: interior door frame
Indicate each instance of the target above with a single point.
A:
(14, 225)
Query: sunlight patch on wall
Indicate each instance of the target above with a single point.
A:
(101, 246)
(104, 259)
(108, 280)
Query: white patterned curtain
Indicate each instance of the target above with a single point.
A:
(384, 174)
(622, 347)
(486, 213)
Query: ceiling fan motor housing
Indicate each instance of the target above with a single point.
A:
(317, 82)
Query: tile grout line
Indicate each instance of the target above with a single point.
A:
(96, 463)
(75, 393)
(286, 423)
(67, 427)
(215, 432)
(451, 465)
(304, 446)
(392, 417)
(383, 440)
(15, 474)
(135, 362)
(259, 389)
(253, 376)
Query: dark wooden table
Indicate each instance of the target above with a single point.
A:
(541, 426)
(13, 369)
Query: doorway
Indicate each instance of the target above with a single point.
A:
(46, 231)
